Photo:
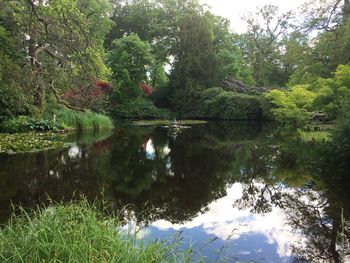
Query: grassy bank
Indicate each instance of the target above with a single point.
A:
(75, 232)
(65, 120)
(82, 120)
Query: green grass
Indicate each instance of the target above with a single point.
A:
(75, 232)
(83, 120)
(313, 136)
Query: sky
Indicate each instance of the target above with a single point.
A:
(235, 9)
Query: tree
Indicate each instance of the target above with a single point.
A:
(194, 62)
(14, 95)
(263, 43)
(131, 61)
(64, 43)
(228, 56)
(333, 93)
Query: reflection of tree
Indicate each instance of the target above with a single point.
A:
(28, 179)
(181, 180)
(194, 172)
(316, 215)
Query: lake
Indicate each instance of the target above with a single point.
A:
(233, 191)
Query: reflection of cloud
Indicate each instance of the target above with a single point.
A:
(166, 150)
(225, 221)
(150, 150)
(135, 231)
(74, 152)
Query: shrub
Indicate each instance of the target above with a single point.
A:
(26, 124)
(292, 106)
(215, 103)
(138, 108)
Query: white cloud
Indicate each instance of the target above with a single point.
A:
(223, 220)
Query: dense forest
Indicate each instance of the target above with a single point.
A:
(68, 63)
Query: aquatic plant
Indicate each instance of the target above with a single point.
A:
(25, 142)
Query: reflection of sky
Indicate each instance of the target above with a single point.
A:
(150, 150)
(249, 236)
(74, 152)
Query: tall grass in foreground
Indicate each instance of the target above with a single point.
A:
(83, 120)
(74, 232)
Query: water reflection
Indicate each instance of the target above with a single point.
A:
(262, 197)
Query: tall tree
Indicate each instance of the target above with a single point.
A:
(131, 61)
(194, 61)
(64, 43)
(261, 45)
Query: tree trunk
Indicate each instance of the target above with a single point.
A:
(38, 81)
(346, 10)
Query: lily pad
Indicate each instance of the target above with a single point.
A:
(28, 142)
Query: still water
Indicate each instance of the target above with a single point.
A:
(235, 192)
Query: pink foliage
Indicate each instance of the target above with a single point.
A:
(148, 90)
(104, 86)
(94, 96)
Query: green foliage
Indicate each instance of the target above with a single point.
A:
(194, 66)
(27, 142)
(216, 103)
(333, 92)
(329, 49)
(74, 233)
(13, 100)
(313, 136)
(138, 108)
(160, 96)
(262, 44)
(340, 136)
(82, 120)
(228, 56)
(26, 124)
(64, 44)
(66, 119)
(130, 60)
(292, 106)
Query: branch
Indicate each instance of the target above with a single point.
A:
(59, 100)
(49, 52)
(36, 14)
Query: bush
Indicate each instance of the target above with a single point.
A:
(26, 124)
(215, 103)
(65, 119)
(74, 233)
(293, 106)
(138, 108)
